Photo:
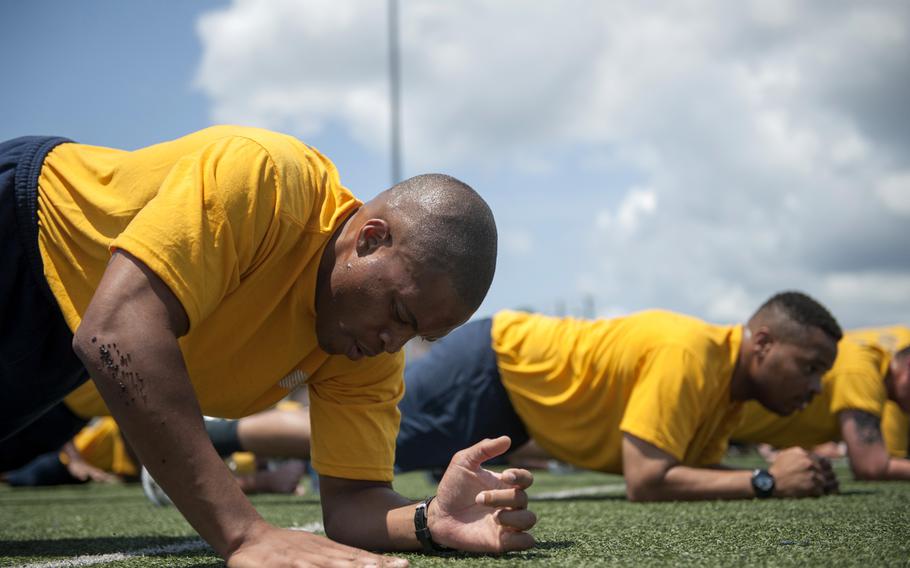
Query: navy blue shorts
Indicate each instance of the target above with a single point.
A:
(37, 364)
(46, 469)
(453, 399)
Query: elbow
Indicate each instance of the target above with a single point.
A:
(341, 534)
(642, 491)
(870, 472)
(334, 527)
(82, 343)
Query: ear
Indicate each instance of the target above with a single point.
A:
(762, 341)
(373, 234)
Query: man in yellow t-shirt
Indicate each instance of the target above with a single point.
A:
(653, 396)
(865, 393)
(215, 273)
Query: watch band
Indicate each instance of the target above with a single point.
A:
(422, 528)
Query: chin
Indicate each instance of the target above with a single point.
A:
(325, 343)
(777, 409)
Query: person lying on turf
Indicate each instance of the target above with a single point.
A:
(213, 274)
(863, 402)
(99, 453)
(653, 395)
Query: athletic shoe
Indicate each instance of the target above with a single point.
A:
(153, 491)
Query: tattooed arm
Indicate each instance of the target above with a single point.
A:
(869, 457)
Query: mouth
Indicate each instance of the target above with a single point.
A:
(354, 353)
(358, 351)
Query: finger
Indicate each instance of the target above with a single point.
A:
(514, 498)
(518, 477)
(511, 540)
(472, 457)
(822, 462)
(818, 485)
(518, 519)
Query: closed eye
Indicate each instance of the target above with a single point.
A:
(398, 314)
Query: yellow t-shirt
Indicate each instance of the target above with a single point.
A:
(102, 446)
(234, 220)
(659, 376)
(855, 382)
(896, 429)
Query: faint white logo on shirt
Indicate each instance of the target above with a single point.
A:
(293, 380)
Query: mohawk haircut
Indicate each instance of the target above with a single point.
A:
(795, 311)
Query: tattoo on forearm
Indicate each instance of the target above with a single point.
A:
(868, 427)
(118, 369)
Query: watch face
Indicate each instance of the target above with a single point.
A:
(764, 482)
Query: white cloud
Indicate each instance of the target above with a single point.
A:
(894, 191)
(637, 204)
(774, 133)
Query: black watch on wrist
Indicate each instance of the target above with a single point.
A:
(422, 527)
(762, 483)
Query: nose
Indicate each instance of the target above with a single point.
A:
(816, 385)
(392, 342)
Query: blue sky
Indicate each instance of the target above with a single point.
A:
(693, 156)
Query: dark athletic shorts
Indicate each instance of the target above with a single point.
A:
(37, 364)
(453, 399)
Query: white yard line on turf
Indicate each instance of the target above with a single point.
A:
(610, 489)
(90, 560)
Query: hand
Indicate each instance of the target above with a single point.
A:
(274, 547)
(84, 471)
(797, 473)
(477, 510)
(823, 465)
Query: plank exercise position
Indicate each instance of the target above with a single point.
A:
(864, 401)
(215, 273)
(653, 395)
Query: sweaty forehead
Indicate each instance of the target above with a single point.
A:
(436, 307)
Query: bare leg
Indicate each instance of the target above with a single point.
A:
(283, 479)
(277, 433)
(530, 456)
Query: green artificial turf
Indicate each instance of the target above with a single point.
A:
(868, 524)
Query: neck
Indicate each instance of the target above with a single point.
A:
(334, 250)
(741, 387)
(889, 384)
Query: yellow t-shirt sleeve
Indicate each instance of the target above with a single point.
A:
(354, 417)
(896, 430)
(211, 221)
(859, 387)
(666, 404)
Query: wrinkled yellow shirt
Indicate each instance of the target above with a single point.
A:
(659, 376)
(234, 220)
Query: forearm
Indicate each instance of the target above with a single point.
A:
(374, 518)
(682, 483)
(143, 380)
(898, 469)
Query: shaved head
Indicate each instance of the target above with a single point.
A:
(448, 229)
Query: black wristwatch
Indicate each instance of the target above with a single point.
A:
(422, 528)
(762, 483)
